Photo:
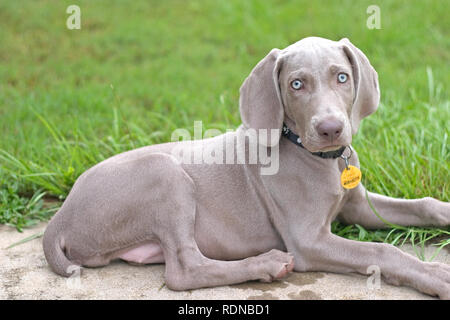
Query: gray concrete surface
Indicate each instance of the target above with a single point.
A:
(24, 274)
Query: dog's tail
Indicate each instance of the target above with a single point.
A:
(53, 249)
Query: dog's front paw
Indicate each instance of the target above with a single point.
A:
(438, 211)
(438, 275)
(276, 264)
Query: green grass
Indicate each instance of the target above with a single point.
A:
(138, 70)
(21, 212)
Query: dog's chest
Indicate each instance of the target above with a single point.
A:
(308, 185)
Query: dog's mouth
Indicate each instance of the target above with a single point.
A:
(330, 148)
(322, 148)
(314, 144)
(325, 146)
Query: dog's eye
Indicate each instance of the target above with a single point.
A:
(296, 84)
(342, 77)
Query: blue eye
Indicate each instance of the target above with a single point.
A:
(296, 84)
(342, 77)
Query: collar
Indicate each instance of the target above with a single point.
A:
(286, 132)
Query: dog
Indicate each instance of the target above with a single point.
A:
(221, 224)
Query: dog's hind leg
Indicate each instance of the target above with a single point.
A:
(187, 267)
(164, 202)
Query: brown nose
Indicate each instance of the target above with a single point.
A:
(330, 129)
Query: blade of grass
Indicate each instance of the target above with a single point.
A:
(27, 239)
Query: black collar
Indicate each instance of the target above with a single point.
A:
(296, 140)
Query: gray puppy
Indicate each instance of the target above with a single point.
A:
(214, 224)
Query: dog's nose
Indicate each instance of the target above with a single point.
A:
(330, 129)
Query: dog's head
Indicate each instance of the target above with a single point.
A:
(320, 88)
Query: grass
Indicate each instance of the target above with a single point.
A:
(135, 72)
(21, 212)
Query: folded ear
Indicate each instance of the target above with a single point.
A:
(367, 92)
(260, 98)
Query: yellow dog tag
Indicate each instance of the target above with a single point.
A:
(350, 177)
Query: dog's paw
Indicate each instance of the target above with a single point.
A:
(438, 211)
(439, 277)
(276, 265)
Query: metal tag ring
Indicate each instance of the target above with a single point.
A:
(350, 155)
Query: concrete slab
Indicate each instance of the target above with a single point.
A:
(24, 274)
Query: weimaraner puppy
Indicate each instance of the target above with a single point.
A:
(219, 224)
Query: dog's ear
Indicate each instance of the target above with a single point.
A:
(367, 92)
(260, 101)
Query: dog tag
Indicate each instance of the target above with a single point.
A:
(350, 177)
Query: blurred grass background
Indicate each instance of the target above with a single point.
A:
(139, 69)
